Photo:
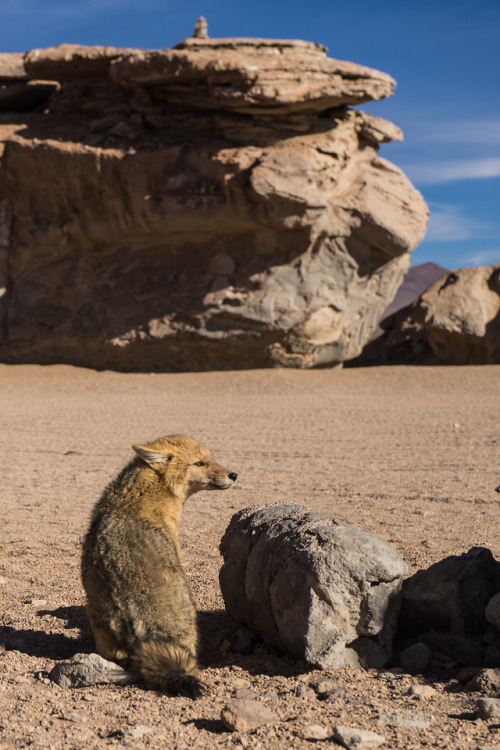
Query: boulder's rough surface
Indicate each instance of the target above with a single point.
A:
(456, 321)
(312, 586)
(213, 205)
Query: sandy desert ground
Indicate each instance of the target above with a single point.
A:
(410, 454)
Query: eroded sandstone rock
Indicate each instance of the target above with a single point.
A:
(312, 586)
(456, 321)
(217, 205)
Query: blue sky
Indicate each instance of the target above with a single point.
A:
(445, 55)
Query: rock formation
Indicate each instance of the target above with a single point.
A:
(456, 321)
(215, 205)
(450, 608)
(312, 586)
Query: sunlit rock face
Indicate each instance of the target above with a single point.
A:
(216, 205)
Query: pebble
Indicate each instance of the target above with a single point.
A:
(137, 732)
(79, 717)
(2, 580)
(83, 670)
(244, 715)
(36, 602)
(324, 685)
(405, 719)
(357, 739)
(314, 732)
(244, 692)
(238, 683)
(303, 691)
(423, 691)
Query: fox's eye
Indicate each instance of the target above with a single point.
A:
(199, 463)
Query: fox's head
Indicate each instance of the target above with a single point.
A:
(184, 465)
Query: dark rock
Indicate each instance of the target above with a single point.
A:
(450, 596)
(311, 586)
(415, 659)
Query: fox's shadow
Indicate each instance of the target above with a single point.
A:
(218, 634)
(51, 645)
(214, 626)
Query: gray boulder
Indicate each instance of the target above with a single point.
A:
(311, 585)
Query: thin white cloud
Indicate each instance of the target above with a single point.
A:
(438, 172)
(484, 257)
(447, 223)
(476, 132)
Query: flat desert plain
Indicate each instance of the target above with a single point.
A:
(409, 454)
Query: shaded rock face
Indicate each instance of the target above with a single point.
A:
(449, 607)
(217, 205)
(456, 321)
(311, 586)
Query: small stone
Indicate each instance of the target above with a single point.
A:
(79, 717)
(357, 739)
(423, 691)
(305, 692)
(238, 683)
(36, 602)
(404, 719)
(324, 686)
(244, 692)
(3, 580)
(485, 681)
(83, 670)
(272, 694)
(492, 611)
(245, 715)
(415, 659)
(489, 709)
(137, 732)
(314, 732)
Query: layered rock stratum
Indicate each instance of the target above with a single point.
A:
(215, 205)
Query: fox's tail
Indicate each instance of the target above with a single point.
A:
(168, 667)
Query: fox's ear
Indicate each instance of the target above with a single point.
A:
(151, 457)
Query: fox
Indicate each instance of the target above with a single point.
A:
(138, 602)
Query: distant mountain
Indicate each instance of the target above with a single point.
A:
(416, 281)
